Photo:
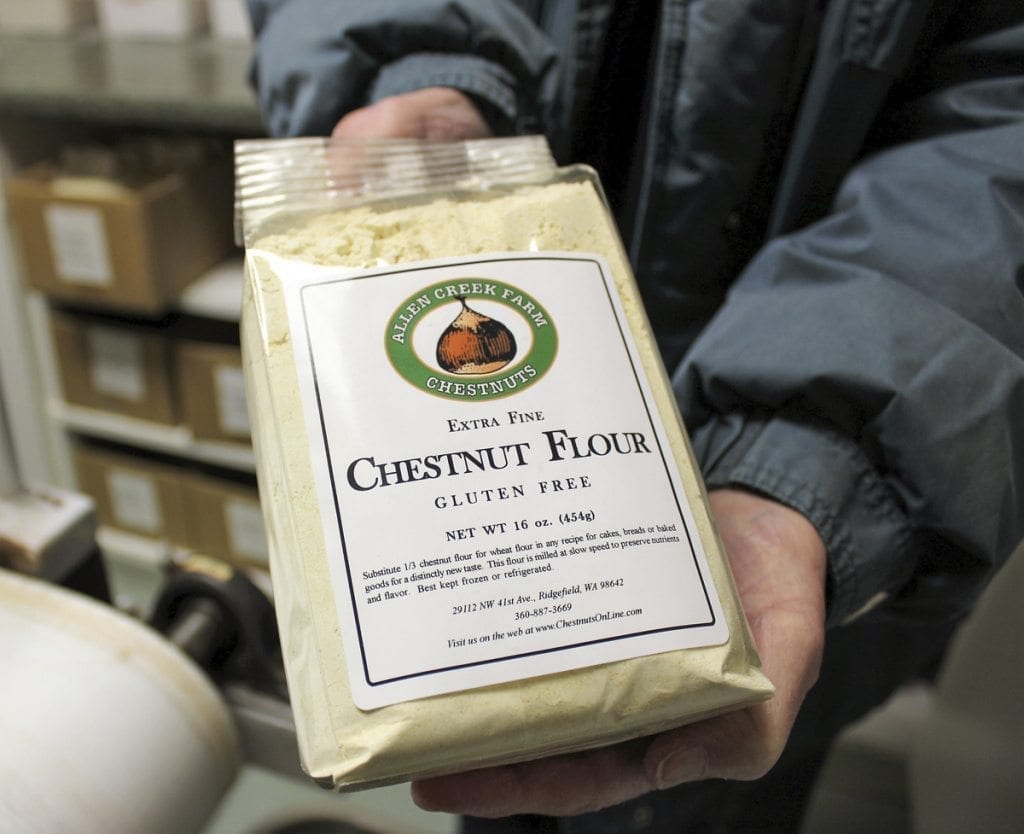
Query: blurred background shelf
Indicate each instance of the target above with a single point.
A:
(172, 440)
(89, 88)
(176, 85)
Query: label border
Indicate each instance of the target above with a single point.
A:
(337, 503)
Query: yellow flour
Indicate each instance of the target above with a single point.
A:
(342, 746)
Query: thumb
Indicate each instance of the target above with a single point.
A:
(739, 745)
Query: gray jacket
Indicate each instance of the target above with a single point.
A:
(825, 211)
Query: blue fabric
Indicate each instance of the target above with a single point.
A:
(316, 60)
(864, 367)
(824, 207)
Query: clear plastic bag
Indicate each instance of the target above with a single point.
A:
(489, 541)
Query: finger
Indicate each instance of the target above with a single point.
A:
(558, 786)
(452, 124)
(375, 121)
(745, 744)
(435, 113)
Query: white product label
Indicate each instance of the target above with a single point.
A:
(78, 244)
(499, 496)
(246, 533)
(232, 411)
(116, 365)
(135, 501)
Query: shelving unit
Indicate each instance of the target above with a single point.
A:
(56, 90)
(64, 89)
(59, 89)
(177, 86)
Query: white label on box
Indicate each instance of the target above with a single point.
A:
(116, 366)
(135, 501)
(170, 18)
(246, 533)
(229, 19)
(232, 411)
(505, 482)
(43, 16)
(78, 244)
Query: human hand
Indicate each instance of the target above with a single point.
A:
(778, 562)
(438, 113)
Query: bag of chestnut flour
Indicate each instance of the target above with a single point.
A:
(489, 541)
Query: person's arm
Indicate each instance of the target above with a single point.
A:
(434, 113)
(869, 370)
(315, 62)
(868, 373)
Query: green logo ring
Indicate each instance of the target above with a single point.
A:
(507, 381)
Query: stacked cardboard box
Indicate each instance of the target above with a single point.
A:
(129, 237)
(212, 391)
(210, 513)
(224, 519)
(112, 236)
(116, 365)
(134, 493)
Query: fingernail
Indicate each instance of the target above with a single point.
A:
(687, 765)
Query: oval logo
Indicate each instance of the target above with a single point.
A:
(471, 339)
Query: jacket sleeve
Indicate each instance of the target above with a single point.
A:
(868, 370)
(316, 60)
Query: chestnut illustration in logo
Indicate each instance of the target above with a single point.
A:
(475, 344)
